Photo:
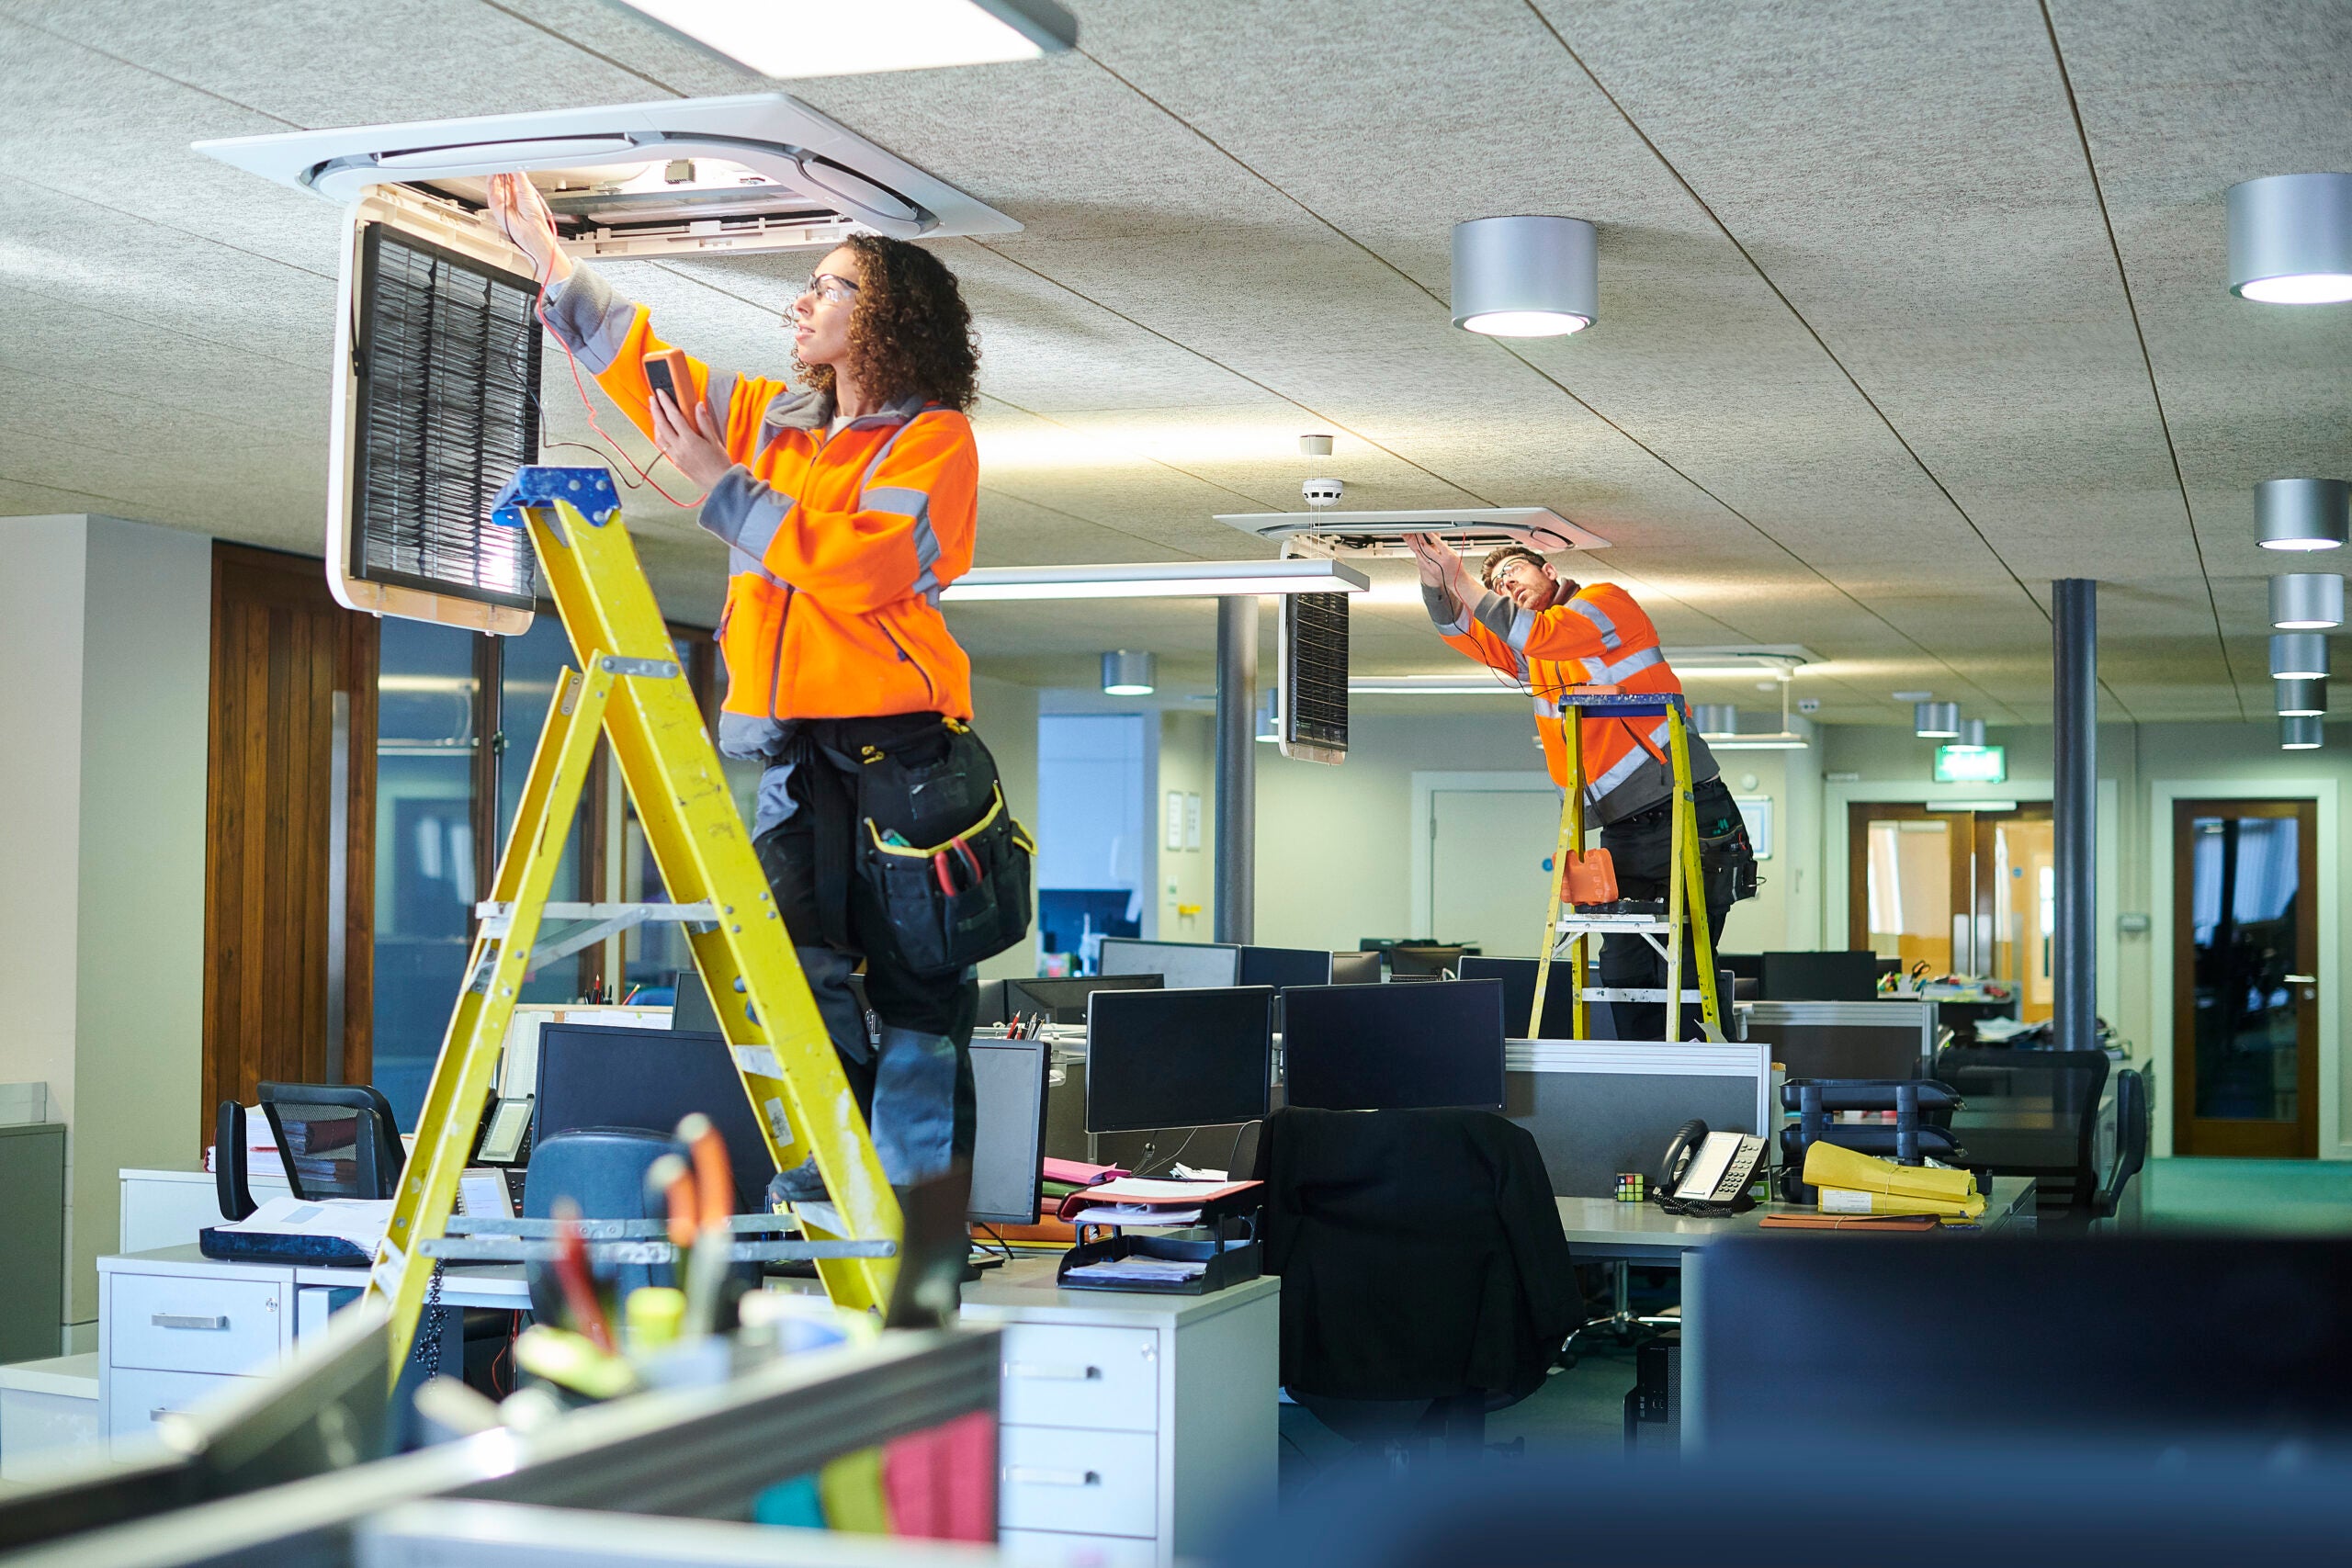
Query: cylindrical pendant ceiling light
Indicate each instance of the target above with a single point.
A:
(1935, 721)
(2291, 239)
(2306, 601)
(1716, 719)
(1526, 277)
(1971, 737)
(1126, 674)
(2298, 656)
(2303, 732)
(2301, 515)
(2303, 698)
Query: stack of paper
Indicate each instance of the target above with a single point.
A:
(1853, 1183)
(359, 1220)
(1139, 1271)
(1165, 1198)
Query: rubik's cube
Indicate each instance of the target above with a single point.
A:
(1633, 1187)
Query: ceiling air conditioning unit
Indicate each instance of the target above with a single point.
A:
(684, 176)
(1334, 533)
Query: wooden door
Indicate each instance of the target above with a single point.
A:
(2246, 979)
(288, 926)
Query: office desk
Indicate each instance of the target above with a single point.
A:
(1601, 1229)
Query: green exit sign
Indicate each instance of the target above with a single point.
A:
(1971, 765)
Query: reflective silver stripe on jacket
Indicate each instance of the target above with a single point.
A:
(1603, 674)
(1627, 766)
(1609, 641)
(744, 512)
(902, 501)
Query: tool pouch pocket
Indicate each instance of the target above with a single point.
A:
(953, 902)
(1727, 863)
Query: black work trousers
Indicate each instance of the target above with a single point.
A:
(1640, 846)
(913, 1077)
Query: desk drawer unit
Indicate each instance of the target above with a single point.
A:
(140, 1395)
(185, 1324)
(1045, 1548)
(1100, 1379)
(1084, 1482)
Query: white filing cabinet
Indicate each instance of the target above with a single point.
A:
(1134, 1427)
(166, 1208)
(174, 1328)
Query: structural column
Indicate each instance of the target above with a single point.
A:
(1236, 765)
(2075, 811)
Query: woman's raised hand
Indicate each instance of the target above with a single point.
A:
(523, 217)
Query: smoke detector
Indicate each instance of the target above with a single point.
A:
(1322, 492)
(746, 174)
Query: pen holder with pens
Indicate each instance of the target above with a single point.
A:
(1224, 1241)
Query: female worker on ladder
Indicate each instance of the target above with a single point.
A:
(845, 507)
(1551, 633)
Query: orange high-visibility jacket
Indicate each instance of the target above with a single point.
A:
(839, 541)
(1599, 637)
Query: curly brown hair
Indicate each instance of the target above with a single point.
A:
(909, 333)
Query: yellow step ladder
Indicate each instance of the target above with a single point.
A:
(1565, 932)
(630, 687)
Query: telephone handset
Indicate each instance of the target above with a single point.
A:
(1707, 1175)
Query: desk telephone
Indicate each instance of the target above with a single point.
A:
(1707, 1175)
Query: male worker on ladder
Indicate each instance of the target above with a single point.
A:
(845, 508)
(1551, 633)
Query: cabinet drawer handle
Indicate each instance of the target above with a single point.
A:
(1056, 1373)
(1035, 1477)
(185, 1319)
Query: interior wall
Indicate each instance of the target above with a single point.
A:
(1185, 892)
(138, 1033)
(1005, 714)
(42, 599)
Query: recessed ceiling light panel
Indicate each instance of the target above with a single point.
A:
(828, 38)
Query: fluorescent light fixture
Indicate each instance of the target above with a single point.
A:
(2304, 698)
(1935, 721)
(1466, 528)
(1782, 743)
(1773, 661)
(2306, 601)
(2301, 515)
(1126, 674)
(2291, 239)
(1712, 720)
(1526, 277)
(1434, 686)
(2298, 656)
(2302, 732)
(827, 38)
(1972, 805)
(1155, 580)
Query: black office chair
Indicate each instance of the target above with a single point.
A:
(1425, 1277)
(2132, 1132)
(2059, 1156)
(1423, 961)
(337, 1140)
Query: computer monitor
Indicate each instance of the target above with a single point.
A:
(1419, 961)
(2079, 1340)
(1743, 965)
(1361, 968)
(1200, 1056)
(651, 1078)
(1064, 1001)
(1393, 1048)
(1282, 966)
(1517, 977)
(1181, 962)
(1820, 976)
(1008, 1130)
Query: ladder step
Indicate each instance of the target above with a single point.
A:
(1614, 923)
(1636, 994)
(552, 910)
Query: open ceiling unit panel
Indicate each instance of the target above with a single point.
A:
(758, 172)
(1334, 534)
(435, 406)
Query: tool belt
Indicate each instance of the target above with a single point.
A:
(913, 831)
